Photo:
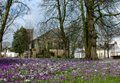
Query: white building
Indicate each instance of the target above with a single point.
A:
(101, 53)
(79, 53)
(7, 53)
(115, 51)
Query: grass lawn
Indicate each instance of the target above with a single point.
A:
(80, 80)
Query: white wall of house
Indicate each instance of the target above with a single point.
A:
(115, 51)
(79, 53)
(103, 54)
(100, 53)
(9, 54)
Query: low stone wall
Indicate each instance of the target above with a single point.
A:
(57, 52)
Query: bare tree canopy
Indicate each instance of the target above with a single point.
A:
(10, 10)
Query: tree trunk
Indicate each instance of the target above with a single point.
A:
(62, 16)
(107, 50)
(85, 29)
(91, 50)
(64, 38)
(3, 25)
(0, 49)
(66, 48)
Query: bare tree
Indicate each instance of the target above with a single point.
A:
(92, 12)
(75, 34)
(8, 15)
(108, 21)
(3, 25)
(58, 15)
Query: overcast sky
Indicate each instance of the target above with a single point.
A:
(35, 15)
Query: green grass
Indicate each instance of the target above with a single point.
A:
(108, 79)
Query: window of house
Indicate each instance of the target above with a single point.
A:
(54, 45)
(49, 45)
(61, 45)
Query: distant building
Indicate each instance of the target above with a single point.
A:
(49, 42)
(30, 34)
(114, 50)
(79, 53)
(8, 53)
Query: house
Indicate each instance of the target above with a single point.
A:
(79, 53)
(50, 43)
(101, 53)
(8, 53)
(114, 50)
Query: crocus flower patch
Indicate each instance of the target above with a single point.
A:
(16, 70)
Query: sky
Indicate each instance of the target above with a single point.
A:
(35, 14)
(30, 20)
